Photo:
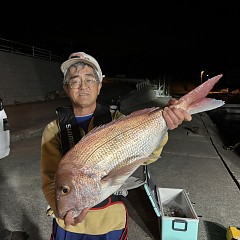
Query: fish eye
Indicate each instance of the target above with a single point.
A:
(65, 190)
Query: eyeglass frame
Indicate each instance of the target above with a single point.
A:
(87, 82)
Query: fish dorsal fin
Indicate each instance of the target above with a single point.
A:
(123, 118)
(96, 129)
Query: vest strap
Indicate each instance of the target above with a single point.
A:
(69, 129)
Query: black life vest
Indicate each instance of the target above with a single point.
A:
(69, 129)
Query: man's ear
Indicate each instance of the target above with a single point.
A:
(99, 87)
(65, 88)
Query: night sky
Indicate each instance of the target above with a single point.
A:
(177, 37)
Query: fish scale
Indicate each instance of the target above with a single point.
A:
(101, 162)
(127, 130)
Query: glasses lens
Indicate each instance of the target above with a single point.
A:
(77, 83)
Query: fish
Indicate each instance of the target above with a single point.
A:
(100, 163)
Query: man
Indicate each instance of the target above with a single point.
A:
(82, 84)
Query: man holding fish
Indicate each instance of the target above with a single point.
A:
(108, 219)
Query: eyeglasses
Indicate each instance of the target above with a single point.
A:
(75, 84)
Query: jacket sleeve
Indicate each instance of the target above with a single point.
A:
(50, 157)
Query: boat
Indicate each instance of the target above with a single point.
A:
(162, 90)
(232, 108)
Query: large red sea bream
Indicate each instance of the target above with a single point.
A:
(101, 162)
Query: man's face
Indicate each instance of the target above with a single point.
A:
(83, 89)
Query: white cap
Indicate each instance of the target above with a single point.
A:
(82, 57)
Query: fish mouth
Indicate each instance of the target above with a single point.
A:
(75, 213)
(62, 215)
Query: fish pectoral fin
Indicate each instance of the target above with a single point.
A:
(119, 174)
(131, 183)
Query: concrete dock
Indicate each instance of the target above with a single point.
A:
(193, 159)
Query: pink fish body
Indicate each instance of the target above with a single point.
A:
(104, 159)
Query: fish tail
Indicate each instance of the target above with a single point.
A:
(205, 104)
(200, 92)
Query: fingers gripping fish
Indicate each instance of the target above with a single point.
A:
(100, 163)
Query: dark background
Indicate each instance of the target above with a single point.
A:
(135, 39)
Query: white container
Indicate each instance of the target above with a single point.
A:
(179, 220)
(4, 133)
(176, 215)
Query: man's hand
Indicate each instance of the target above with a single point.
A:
(69, 220)
(175, 116)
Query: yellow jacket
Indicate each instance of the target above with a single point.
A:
(110, 218)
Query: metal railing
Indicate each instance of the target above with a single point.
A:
(27, 50)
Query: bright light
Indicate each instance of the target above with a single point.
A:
(201, 76)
